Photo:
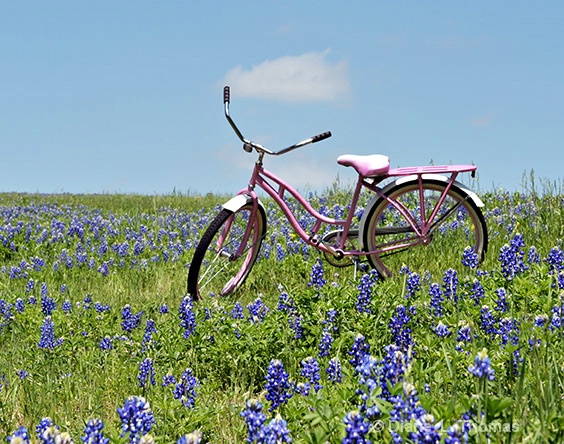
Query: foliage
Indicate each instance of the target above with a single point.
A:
(97, 339)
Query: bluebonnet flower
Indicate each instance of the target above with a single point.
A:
(533, 256)
(356, 428)
(130, 321)
(303, 388)
(237, 312)
(187, 316)
(277, 384)
(501, 303)
(185, 389)
(540, 320)
(20, 436)
(556, 321)
(168, 379)
(87, 302)
(30, 285)
(279, 252)
(427, 430)
(365, 288)
(67, 306)
(457, 434)
(555, 260)
(285, 303)
(20, 306)
(508, 331)
(406, 406)
(163, 309)
(488, 321)
(150, 328)
(399, 327)
(276, 431)
(511, 257)
(317, 279)
(330, 319)
(93, 432)
(47, 339)
(106, 343)
(101, 308)
(22, 374)
(310, 370)
(48, 305)
(450, 284)
(31, 300)
(326, 343)
(477, 293)
(295, 323)
(482, 366)
(146, 373)
(442, 330)
(257, 310)
(394, 365)
(48, 433)
(359, 350)
(464, 334)
(43, 425)
(470, 258)
(254, 419)
(194, 437)
(436, 300)
(136, 417)
(413, 285)
(334, 374)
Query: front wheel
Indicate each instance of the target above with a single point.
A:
(217, 268)
(433, 220)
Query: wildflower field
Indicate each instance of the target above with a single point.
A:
(99, 343)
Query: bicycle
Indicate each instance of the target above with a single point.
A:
(417, 206)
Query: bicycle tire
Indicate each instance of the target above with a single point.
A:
(458, 214)
(213, 270)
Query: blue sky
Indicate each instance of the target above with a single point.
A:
(126, 96)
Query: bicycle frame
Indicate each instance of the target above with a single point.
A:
(276, 188)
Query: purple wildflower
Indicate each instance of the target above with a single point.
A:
(93, 433)
(470, 258)
(317, 279)
(136, 417)
(254, 419)
(187, 316)
(356, 428)
(277, 384)
(185, 389)
(482, 366)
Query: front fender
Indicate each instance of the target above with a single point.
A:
(239, 201)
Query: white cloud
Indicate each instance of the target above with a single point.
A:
(482, 122)
(308, 77)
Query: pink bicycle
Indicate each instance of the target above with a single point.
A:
(413, 206)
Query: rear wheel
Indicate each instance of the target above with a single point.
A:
(390, 231)
(216, 268)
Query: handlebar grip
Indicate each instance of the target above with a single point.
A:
(321, 136)
(226, 94)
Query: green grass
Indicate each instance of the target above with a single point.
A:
(78, 381)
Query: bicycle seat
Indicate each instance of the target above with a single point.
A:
(367, 166)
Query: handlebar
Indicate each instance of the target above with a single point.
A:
(249, 145)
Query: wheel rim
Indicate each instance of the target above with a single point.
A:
(457, 224)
